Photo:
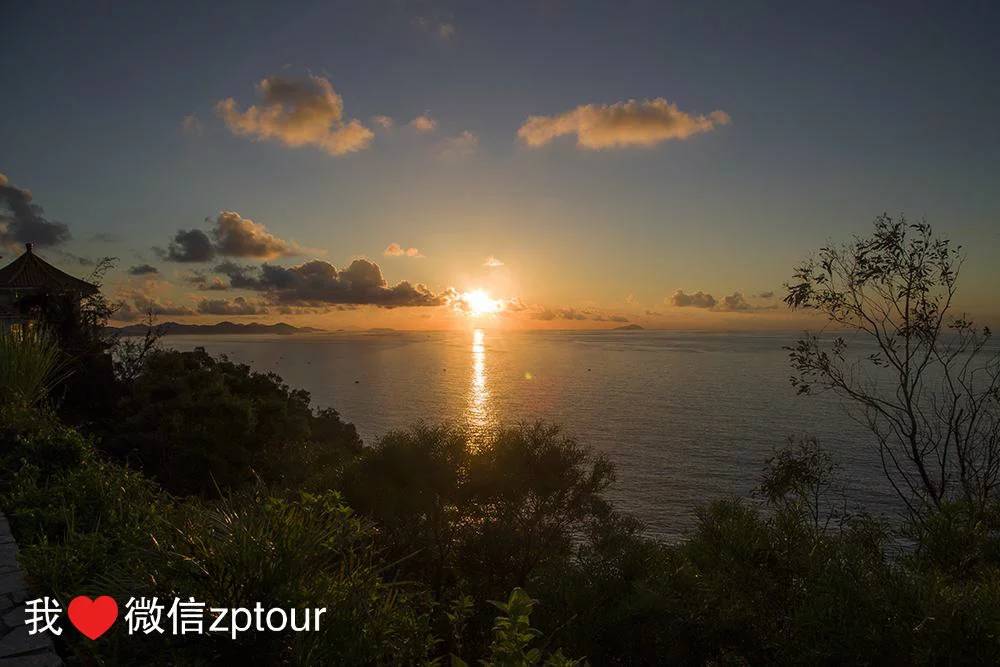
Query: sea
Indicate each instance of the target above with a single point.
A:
(687, 417)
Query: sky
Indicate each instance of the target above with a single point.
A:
(568, 164)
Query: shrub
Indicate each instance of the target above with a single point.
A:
(446, 522)
(614, 599)
(513, 636)
(75, 515)
(86, 525)
(478, 518)
(298, 553)
(197, 424)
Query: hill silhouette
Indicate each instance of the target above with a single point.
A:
(179, 329)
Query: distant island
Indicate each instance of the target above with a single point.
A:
(630, 327)
(178, 329)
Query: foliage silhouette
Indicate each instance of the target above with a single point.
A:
(196, 424)
(224, 484)
(937, 424)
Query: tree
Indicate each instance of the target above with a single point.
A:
(130, 353)
(929, 388)
(479, 515)
(803, 478)
(197, 423)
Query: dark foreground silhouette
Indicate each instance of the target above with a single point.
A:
(200, 477)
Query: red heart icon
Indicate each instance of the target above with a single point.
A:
(92, 617)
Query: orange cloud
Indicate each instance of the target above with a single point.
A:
(492, 262)
(236, 236)
(620, 125)
(396, 250)
(424, 123)
(297, 112)
(232, 236)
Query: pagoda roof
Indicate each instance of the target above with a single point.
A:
(29, 271)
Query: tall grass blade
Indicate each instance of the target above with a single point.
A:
(31, 364)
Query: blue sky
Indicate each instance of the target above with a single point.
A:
(837, 113)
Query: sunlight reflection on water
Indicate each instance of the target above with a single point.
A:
(687, 417)
(478, 414)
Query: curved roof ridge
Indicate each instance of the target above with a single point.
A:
(31, 271)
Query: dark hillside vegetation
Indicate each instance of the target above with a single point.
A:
(432, 545)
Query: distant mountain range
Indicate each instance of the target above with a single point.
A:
(178, 329)
(235, 328)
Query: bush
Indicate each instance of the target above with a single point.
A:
(445, 522)
(300, 553)
(513, 636)
(198, 424)
(84, 525)
(500, 507)
(60, 495)
(478, 517)
(613, 599)
(772, 584)
(89, 526)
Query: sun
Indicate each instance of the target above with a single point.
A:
(478, 303)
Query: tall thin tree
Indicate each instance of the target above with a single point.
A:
(929, 387)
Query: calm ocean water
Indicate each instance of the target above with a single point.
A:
(687, 417)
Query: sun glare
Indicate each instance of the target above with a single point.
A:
(478, 303)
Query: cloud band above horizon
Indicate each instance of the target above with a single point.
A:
(320, 283)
